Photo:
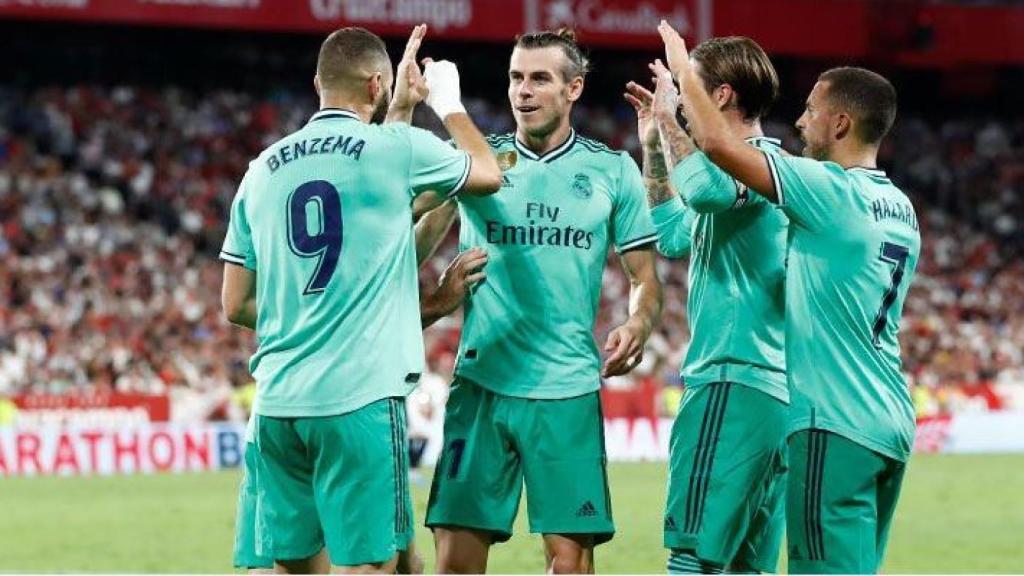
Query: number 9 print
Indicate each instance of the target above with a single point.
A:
(326, 243)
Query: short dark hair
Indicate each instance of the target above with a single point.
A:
(347, 54)
(564, 38)
(741, 63)
(867, 96)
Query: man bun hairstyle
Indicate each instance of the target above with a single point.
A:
(350, 55)
(565, 38)
(742, 64)
(868, 97)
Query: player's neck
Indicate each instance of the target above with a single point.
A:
(364, 111)
(742, 127)
(541, 145)
(854, 156)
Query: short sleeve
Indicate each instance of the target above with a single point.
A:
(237, 247)
(810, 192)
(673, 222)
(706, 187)
(631, 221)
(435, 165)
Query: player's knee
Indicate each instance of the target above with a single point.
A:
(374, 568)
(569, 562)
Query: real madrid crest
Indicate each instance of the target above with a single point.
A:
(507, 160)
(581, 186)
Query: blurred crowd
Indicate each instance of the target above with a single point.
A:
(114, 201)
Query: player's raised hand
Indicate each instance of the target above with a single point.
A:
(442, 79)
(666, 96)
(626, 347)
(641, 98)
(675, 51)
(410, 87)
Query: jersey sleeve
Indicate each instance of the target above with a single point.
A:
(435, 165)
(673, 222)
(237, 247)
(810, 192)
(631, 221)
(706, 187)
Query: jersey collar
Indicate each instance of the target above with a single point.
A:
(756, 139)
(552, 154)
(326, 113)
(873, 172)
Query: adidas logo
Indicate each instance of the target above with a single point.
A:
(587, 509)
(670, 524)
(794, 553)
(506, 183)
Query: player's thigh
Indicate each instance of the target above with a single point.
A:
(831, 507)
(726, 463)
(889, 485)
(462, 550)
(478, 479)
(360, 482)
(245, 555)
(287, 525)
(565, 466)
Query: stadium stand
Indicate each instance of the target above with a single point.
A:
(113, 203)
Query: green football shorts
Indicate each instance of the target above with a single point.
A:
(492, 443)
(339, 481)
(727, 476)
(245, 517)
(841, 501)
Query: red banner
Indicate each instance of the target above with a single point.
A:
(468, 19)
(621, 22)
(608, 22)
(89, 407)
(915, 33)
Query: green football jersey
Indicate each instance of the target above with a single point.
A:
(528, 330)
(673, 223)
(324, 217)
(736, 302)
(853, 248)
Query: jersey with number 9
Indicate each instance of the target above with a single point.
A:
(324, 218)
(853, 248)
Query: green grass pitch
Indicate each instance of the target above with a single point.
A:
(957, 514)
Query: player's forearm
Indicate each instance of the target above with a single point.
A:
(401, 114)
(656, 176)
(432, 228)
(433, 307)
(485, 175)
(645, 301)
(675, 142)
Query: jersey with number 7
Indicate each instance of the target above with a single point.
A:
(853, 247)
(324, 218)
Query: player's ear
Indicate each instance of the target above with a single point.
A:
(316, 84)
(842, 125)
(722, 96)
(575, 88)
(374, 86)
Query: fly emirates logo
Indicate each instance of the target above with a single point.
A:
(542, 228)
